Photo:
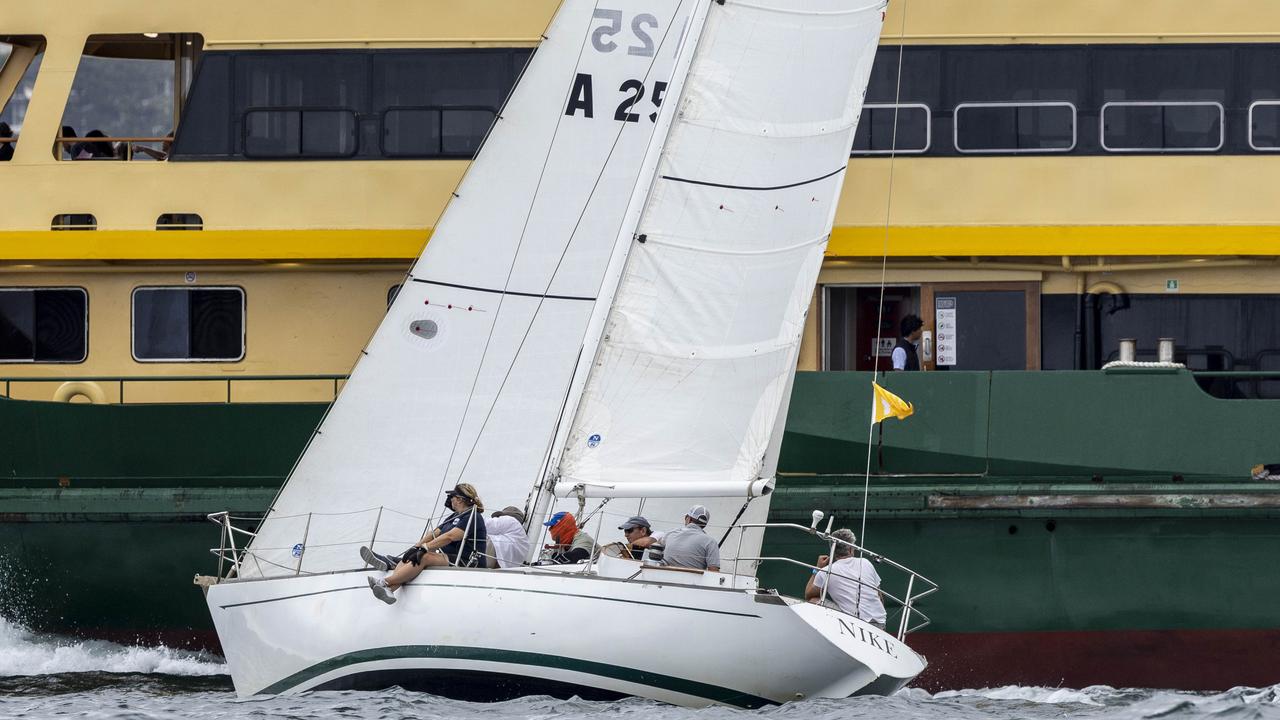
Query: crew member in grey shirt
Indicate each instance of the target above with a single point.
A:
(690, 546)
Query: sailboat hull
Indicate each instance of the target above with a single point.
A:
(491, 635)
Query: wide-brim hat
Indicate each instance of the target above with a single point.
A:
(510, 511)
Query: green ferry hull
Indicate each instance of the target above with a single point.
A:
(1085, 528)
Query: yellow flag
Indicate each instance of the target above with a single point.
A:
(885, 404)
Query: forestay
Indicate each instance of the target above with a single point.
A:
(692, 373)
(467, 375)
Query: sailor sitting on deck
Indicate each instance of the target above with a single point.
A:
(459, 540)
(690, 546)
(508, 543)
(853, 585)
(572, 544)
(641, 538)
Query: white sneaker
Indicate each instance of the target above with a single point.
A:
(381, 591)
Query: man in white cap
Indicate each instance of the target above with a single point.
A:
(690, 546)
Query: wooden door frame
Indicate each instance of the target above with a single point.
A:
(1031, 293)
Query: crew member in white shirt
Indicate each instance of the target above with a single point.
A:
(853, 585)
(508, 542)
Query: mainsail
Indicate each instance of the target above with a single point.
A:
(467, 375)
(689, 383)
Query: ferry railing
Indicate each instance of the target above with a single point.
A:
(907, 602)
(122, 381)
(119, 148)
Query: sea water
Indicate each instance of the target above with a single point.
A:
(49, 677)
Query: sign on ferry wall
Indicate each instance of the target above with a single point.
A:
(944, 312)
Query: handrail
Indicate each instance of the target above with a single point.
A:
(61, 143)
(906, 603)
(121, 380)
(228, 551)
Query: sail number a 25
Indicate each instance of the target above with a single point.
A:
(631, 94)
(606, 37)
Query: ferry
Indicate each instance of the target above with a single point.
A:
(205, 217)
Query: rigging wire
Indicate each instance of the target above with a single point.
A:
(884, 265)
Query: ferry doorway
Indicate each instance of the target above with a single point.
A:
(850, 313)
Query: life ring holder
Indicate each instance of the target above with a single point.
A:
(91, 390)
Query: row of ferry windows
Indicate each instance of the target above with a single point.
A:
(1083, 99)
(170, 324)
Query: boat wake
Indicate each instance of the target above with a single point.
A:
(26, 653)
(184, 684)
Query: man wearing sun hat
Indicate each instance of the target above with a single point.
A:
(508, 542)
(691, 546)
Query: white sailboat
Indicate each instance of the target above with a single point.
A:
(609, 311)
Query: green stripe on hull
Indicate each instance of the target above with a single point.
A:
(453, 652)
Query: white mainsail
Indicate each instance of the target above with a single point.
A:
(467, 375)
(690, 381)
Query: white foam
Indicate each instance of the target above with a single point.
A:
(23, 652)
(1052, 696)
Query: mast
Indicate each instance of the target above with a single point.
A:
(618, 260)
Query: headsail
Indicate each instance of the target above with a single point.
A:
(695, 359)
(468, 373)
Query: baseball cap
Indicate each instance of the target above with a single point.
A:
(699, 513)
(635, 521)
(555, 518)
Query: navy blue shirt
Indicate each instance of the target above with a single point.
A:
(473, 542)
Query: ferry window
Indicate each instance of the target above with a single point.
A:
(440, 103)
(19, 63)
(124, 96)
(1264, 125)
(184, 324)
(1169, 126)
(44, 325)
(300, 132)
(346, 103)
(1167, 99)
(1015, 127)
(875, 134)
(1016, 100)
(179, 221)
(1258, 68)
(74, 221)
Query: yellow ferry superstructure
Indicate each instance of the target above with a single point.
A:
(316, 244)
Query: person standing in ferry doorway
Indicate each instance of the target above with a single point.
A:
(906, 354)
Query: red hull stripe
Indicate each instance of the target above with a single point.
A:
(1177, 659)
